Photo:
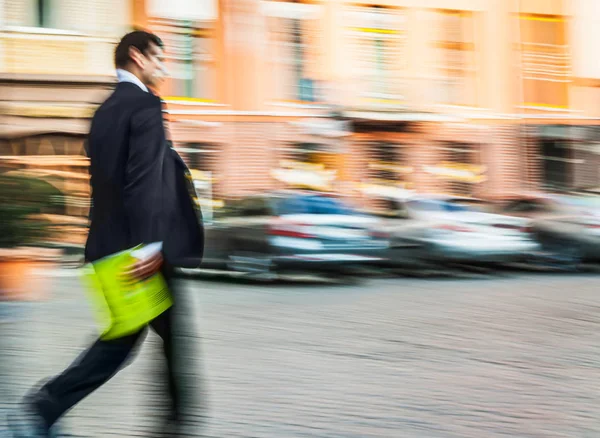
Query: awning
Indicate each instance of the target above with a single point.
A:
(383, 191)
(305, 175)
(458, 172)
(391, 167)
(325, 128)
(400, 116)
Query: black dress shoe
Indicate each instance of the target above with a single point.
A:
(26, 422)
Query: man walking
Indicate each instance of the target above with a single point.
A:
(141, 193)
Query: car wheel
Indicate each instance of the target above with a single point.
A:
(574, 257)
(568, 256)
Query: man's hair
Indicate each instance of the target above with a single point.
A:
(139, 39)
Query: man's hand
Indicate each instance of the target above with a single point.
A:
(146, 268)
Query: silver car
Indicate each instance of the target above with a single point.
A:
(292, 231)
(442, 229)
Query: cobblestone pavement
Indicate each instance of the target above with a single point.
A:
(516, 356)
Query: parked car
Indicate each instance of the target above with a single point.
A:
(533, 206)
(567, 227)
(455, 230)
(292, 231)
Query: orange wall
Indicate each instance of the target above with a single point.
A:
(245, 71)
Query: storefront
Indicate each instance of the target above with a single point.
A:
(388, 163)
(551, 156)
(317, 158)
(404, 150)
(459, 155)
(382, 145)
(585, 153)
(460, 168)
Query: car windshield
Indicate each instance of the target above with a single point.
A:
(437, 206)
(580, 204)
(567, 202)
(312, 204)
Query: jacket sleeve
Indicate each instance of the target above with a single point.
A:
(143, 179)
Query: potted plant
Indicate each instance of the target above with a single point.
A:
(23, 201)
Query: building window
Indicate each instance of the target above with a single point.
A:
(460, 168)
(456, 66)
(464, 159)
(28, 13)
(42, 13)
(89, 18)
(304, 85)
(377, 41)
(313, 155)
(384, 157)
(556, 164)
(295, 41)
(545, 61)
(189, 57)
(555, 156)
(200, 156)
(388, 163)
(306, 152)
(204, 65)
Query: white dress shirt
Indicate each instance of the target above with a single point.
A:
(125, 76)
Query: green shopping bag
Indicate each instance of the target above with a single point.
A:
(122, 307)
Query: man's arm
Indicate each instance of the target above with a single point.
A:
(143, 180)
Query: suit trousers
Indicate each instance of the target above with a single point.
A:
(100, 362)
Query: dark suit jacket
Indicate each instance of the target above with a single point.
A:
(141, 190)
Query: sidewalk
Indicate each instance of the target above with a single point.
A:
(400, 358)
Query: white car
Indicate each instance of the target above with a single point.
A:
(444, 230)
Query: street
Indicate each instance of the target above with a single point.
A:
(514, 356)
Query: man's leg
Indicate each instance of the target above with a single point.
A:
(178, 332)
(88, 372)
(163, 326)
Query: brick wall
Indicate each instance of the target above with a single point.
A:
(504, 158)
(531, 169)
(248, 151)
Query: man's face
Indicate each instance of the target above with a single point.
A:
(155, 69)
(150, 67)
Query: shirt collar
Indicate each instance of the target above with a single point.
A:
(126, 76)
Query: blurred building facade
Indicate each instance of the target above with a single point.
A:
(472, 97)
(56, 65)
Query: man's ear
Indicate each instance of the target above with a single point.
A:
(136, 57)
